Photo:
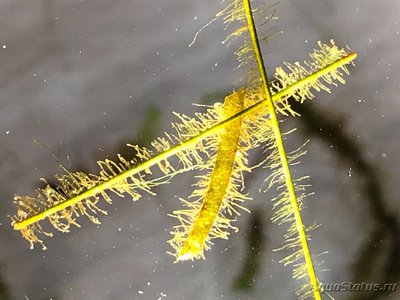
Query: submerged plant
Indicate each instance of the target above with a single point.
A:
(217, 143)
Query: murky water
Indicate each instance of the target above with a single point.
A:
(81, 78)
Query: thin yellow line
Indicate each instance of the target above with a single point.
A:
(176, 149)
(282, 151)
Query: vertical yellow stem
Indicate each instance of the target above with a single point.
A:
(281, 150)
(219, 181)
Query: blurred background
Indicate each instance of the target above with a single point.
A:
(83, 78)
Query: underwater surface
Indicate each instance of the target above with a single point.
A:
(80, 79)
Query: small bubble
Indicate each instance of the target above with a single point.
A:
(8, 132)
(140, 292)
(4, 46)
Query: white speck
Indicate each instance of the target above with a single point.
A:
(44, 80)
(148, 283)
(306, 41)
(383, 116)
(195, 18)
(349, 172)
(140, 292)
(80, 52)
(176, 29)
(370, 40)
(4, 46)
(8, 132)
(119, 229)
(216, 64)
(34, 74)
(384, 155)
(162, 295)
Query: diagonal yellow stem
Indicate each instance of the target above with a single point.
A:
(281, 150)
(176, 149)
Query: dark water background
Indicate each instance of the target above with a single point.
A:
(86, 77)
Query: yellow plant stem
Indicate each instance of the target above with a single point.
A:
(282, 151)
(219, 181)
(185, 144)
